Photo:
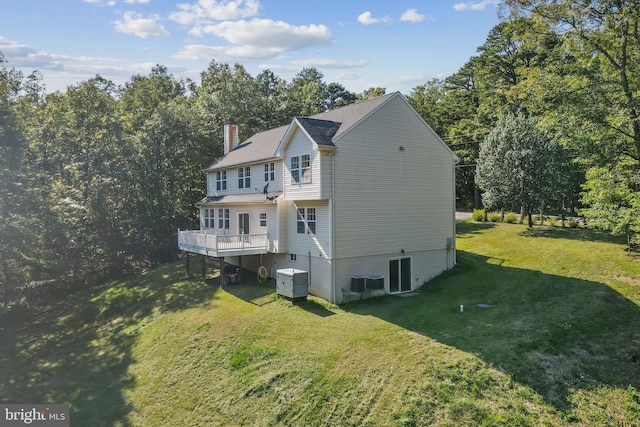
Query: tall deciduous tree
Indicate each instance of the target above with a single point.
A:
(12, 150)
(519, 167)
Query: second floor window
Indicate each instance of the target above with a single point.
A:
(223, 219)
(209, 220)
(221, 180)
(244, 177)
(301, 169)
(269, 172)
(306, 223)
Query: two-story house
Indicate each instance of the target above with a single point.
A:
(366, 190)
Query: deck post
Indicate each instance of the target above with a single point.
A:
(221, 275)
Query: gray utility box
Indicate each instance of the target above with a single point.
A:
(292, 283)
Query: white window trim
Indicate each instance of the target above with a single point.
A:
(244, 177)
(221, 181)
(269, 172)
(263, 218)
(209, 220)
(223, 218)
(303, 173)
(302, 217)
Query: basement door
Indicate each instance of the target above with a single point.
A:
(399, 275)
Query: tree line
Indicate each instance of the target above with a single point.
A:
(564, 77)
(95, 180)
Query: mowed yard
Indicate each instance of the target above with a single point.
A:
(555, 342)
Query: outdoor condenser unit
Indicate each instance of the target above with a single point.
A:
(292, 283)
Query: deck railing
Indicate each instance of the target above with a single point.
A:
(209, 243)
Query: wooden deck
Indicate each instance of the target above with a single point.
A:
(211, 244)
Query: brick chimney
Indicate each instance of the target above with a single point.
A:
(231, 138)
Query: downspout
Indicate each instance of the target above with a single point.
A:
(309, 278)
(333, 230)
(453, 236)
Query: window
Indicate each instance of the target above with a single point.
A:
(209, 221)
(221, 180)
(306, 168)
(301, 169)
(295, 169)
(244, 177)
(306, 223)
(223, 218)
(311, 220)
(263, 220)
(293, 257)
(269, 172)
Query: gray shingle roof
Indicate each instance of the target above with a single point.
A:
(321, 131)
(324, 128)
(251, 198)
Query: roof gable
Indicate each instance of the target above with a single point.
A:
(324, 129)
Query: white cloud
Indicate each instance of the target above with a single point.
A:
(479, 5)
(329, 63)
(134, 23)
(365, 18)
(254, 40)
(20, 55)
(100, 2)
(348, 76)
(269, 34)
(208, 11)
(136, 1)
(412, 15)
(200, 52)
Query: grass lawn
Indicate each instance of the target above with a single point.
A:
(559, 344)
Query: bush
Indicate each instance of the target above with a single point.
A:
(573, 223)
(494, 217)
(553, 221)
(478, 215)
(511, 218)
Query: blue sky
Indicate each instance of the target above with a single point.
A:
(393, 44)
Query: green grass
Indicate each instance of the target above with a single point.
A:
(559, 345)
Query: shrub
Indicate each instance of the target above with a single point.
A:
(511, 218)
(478, 215)
(494, 217)
(553, 221)
(573, 223)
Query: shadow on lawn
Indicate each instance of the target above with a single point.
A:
(555, 334)
(78, 350)
(579, 234)
(467, 229)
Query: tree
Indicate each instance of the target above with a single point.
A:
(371, 92)
(519, 167)
(590, 94)
(613, 197)
(13, 228)
(307, 93)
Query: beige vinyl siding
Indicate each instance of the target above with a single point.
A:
(325, 175)
(387, 199)
(257, 180)
(260, 182)
(320, 243)
(283, 209)
(299, 145)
